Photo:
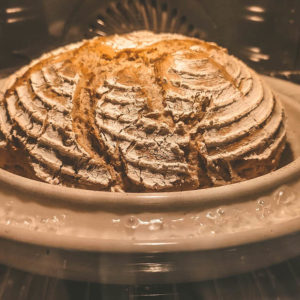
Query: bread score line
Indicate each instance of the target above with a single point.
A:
(140, 112)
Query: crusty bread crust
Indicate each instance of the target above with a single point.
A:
(140, 112)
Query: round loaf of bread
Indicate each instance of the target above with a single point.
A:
(140, 112)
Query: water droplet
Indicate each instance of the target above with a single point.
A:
(284, 196)
(261, 202)
(220, 211)
(155, 224)
(63, 216)
(116, 221)
(132, 222)
(210, 215)
(264, 213)
(54, 219)
(200, 229)
(27, 221)
(195, 218)
(44, 220)
(178, 220)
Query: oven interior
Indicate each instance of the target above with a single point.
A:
(265, 34)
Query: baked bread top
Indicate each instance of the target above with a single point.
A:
(140, 112)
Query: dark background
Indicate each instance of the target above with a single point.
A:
(265, 33)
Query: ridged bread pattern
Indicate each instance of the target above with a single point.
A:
(141, 112)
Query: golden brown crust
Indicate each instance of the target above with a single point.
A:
(142, 112)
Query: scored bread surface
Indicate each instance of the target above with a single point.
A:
(140, 112)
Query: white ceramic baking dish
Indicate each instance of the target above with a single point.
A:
(155, 237)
